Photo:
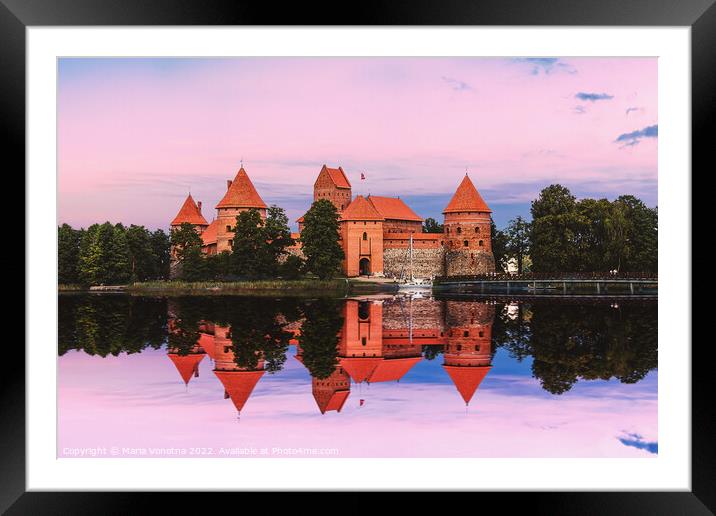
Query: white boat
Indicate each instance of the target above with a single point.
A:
(413, 283)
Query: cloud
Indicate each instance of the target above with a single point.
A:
(580, 110)
(637, 441)
(634, 137)
(593, 97)
(633, 109)
(545, 65)
(456, 84)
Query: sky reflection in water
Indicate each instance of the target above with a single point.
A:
(543, 379)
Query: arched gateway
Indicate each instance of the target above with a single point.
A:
(364, 267)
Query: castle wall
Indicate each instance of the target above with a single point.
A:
(356, 247)
(426, 314)
(426, 261)
(461, 262)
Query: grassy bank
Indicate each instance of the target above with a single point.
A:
(70, 288)
(309, 287)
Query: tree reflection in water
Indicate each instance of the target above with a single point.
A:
(567, 341)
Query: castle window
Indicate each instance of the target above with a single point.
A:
(482, 334)
(228, 229)
(466, 333)
(477, 230)
(466, 243)
(365, 235)
(231, 243)
(363, 341)
(481, 243)
(477, 348)
(459, 230)
(459, 347)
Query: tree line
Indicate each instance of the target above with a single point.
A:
(589, 235)
(260, 248)
(105, 254)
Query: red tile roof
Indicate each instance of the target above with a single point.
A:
(187, 365)
(359, 368)
(190, 213)
(466, 198)
(238, 385)
(361, 209)
(393, 208)
(338, 177)
(467, 379)
(206, 342)
(241, 193)
(392, 369)
(209, 234)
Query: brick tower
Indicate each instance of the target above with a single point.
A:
(468, 246)
(241, 195)
(238, 382)
(468, 351)
(190, 213)
(332, 184)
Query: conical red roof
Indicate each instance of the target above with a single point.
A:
(207, 343)
(241, 193)
(467, 379)
(239, 385)
(187, 365)
(466, 198)
(361, 209)
(392, 369)
(359, 368)
(190, 213)
(210, 233)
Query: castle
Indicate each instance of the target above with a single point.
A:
(375, 232)
(376, 344)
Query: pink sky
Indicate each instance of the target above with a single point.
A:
(136, 134)
(140, 401)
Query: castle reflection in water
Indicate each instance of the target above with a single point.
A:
(380, 340)
(344, 345)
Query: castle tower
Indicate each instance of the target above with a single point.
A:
(468, 352)
(190, 212)
(360, 347)
(361, 229)
(331, 184)
(187, 365)
(241, 195)
(468, 245)
(238, 382)
(331, 393)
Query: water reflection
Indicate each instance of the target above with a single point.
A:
(346, 345)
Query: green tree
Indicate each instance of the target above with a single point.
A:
(142, 260)
(161, 246)
(430, 225)
(320, 240)
(249, 248)
(68, 253)
(635, 244)
(187, 244)
(292, 267)
(517, 237)
(277, 238)
(554, 231)
(319, 337)
(499, 246)
(104, 255)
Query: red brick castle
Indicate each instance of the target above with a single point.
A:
(375, 232)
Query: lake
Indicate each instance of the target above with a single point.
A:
(375, 376)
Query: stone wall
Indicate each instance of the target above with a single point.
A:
(462, 262)
(426, 262)
(399, 313)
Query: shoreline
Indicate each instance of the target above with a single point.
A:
(340, 287)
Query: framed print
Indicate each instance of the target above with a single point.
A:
(413, 250)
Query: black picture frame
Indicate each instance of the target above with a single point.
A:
(700, 15)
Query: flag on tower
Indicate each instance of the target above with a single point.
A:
(362, 176)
